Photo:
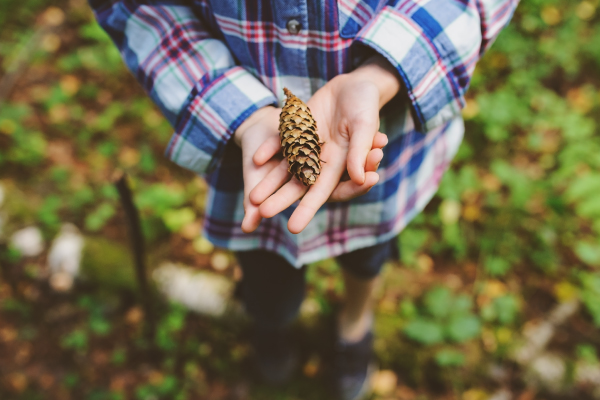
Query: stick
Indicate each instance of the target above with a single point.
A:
(138, 251)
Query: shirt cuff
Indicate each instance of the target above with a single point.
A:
(211, 115)
(432, 88)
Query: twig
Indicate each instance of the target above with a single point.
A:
(138, 251)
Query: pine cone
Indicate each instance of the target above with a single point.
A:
(299, 140)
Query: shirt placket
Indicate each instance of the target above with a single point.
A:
(292, 16)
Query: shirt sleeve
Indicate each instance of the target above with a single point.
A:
(190, 75)
(435, 46)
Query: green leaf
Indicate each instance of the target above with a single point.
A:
(449, 358)
(99, 217)
(463, 327)
(496, 266)
(462, 304)
(424, 331)
(588, 252)
(75, 340)
(175, 220)
(438, 301)
(590, 294)
(507, 308)
(584, 186)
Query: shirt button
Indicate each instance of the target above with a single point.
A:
(293, 26)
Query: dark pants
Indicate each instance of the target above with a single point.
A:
(272, 289)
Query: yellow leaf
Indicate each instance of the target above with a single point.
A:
(219, 261)
(475, 394)
(494, 288)
(450, 211)
(7, 126)
(471, 212)
(565, 291)
(424, 263)
(504, 335)
(128, 157)
(311, 367)
(70, 84)
(50, 42)
(550, 15)
(53, 16)
(384, 382)
(585, 10)
(203, 246)
(471, 109)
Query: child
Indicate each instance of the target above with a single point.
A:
(217, 69)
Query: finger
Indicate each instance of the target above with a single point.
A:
(373, 159)
(267, 150)
(317, 195)
(251, 219)
(269, 185)
(380, 140)
(361, 141)
(348, 190)
(283, 198)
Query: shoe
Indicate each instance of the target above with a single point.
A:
(352, 368)
(276, 360)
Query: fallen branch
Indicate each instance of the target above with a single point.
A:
(138, 250)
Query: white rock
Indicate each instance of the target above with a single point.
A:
(202, 292)
(28, 241)
(66, 250)
(548, 370)
(587, 374)
(537, 336)
(563, 311)
(502, 394)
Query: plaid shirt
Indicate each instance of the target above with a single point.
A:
(209, 64)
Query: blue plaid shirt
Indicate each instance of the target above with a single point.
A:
(209, 64)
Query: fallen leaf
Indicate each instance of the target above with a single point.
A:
(550, 15)
(53, 16)
(450, 211)
(128, 157)
(70, 84)
(16, 382)
(46, 381)
(61, 281)
(134, 315)
(50, 42)
(585, 10)
(311, 368)
(8, 334)
(471, 109)
(219, 261)
(425, 263)
(384, 382)
(202, 245)
(475, 394)
(191, 231)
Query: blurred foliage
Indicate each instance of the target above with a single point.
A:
(513, 230)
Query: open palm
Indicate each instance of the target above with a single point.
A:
(347, 115)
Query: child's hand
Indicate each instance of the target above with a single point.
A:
(258, 138)
(261, 126)
(347, 113)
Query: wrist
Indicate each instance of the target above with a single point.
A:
(251, 120)
(381, 73)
